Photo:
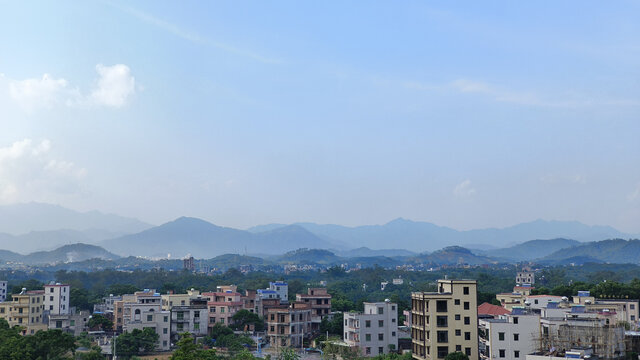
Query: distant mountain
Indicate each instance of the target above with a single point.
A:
(612, 251)
(24, 218)
(423, 236)
(308, 256)
(452, 255)
(366, 252)
(202, 239)
(64, 254)
(530, 250)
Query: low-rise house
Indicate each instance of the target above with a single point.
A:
(320, 301)
(192, 318)
(222, 306)
(74, 323)
(375, 330)
(510, 336)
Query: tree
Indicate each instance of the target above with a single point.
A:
(189, 350)
(50, 344)
(288, 354)
(334, 326)
(456, 356)
(101, 322)
(245, 317)
(136, 342)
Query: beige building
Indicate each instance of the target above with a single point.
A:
(445, 321)
(320, 301)
(222, 306)
(26, 310)
(288, 325)
(171, 300)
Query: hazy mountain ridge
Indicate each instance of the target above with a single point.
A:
(65, 254)
(613, 251)
(530, 250)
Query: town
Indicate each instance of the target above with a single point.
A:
(269, 322)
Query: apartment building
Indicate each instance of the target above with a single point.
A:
(511, 336)
(169, 300)
(56, 299)
(192, 318)
(249, 301)
(320, 301)
(26, 310)
(151, 316)
(625, 310)
(538, 302)
(222, 306)
(3, 290)
(288, 325)
(281, 289)
(525, 278)
(375, 330)
(445, 321)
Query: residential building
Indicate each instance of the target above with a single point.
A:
(151, 316)
(107, 306)
(515, 298)
(511, 336)
(282, 289)
(192, 318)
(445, 321)
(249, 301)
(538, 302)
(26, 310)
(189, 264)
(3, 290)
(56, 299)
(170, 299)
(288, 325)
(73, 322)
(375, 330)
(486, 310)
(525, 278)
(626, 310)
(320, 301)
(222, 306)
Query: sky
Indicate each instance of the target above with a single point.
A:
(465, 114)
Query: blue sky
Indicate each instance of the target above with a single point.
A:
(466, 114)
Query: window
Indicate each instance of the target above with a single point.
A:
(394, 320)
(222, 310)
(50, 298)
(380, 323)
(393, 308)
(516, 337)
(632, 306)
(633, 317)
(443, 336)
(196, 326)
(164, 330)
(393, 334)
(180, 327)
(272, 328)
(515, 320)
(502, 353)
(367, 337)
(467, 351)
(467, 320)
(367, 323)
(458, 347)
(441, 321)
(465, 290)
(368, 351)
(458, 332)
(51, 290)
(222, 320)
(73, 322)
(442, 351)
(149, 317)
(50, 307)
(212, 309)
(466, 305)
(441, 306)
(456, 302)
(380, 350)
(457, 316)
(164, 342)
(501, 336)
(380, 310)
(166, 319)
(535, 301)
(516, 354)
(467, 335)
(380, 337)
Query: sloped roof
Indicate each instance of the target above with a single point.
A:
(493, 310)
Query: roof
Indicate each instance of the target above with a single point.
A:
(551, 296)
(490, 309)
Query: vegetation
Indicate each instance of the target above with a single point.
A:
(100, 322)
(245, 319)
(136, 342)
(456, 356)
(50, 344)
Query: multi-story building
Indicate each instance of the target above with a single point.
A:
(282, 289)
(287, 326)
(107, 306)
(170, 300)
(26, 310)
(56, 299)
(538, 302)
(525, 278)
(189, 264)
(3, 290)
(511, 336)
(249, 301)
(625, 310)
(375, 330)
(151, 316)
(192, 318)
(222, 306)
(320, 302)
(445, 321)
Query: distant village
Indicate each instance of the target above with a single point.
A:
(448, 320)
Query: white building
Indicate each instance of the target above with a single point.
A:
(151, 316)
(193, 318)
(525, 278)
(282, 289)
(56, 299)
(374, 331)
(509, 337)
(540, 302)
(3, 291)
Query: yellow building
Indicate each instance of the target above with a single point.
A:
(25, 310)
(445, 321)
(171, 300)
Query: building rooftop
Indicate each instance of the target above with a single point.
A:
(493, 310)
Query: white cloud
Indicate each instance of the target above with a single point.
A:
(464, 189)
(30, 172)
(114, 86)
